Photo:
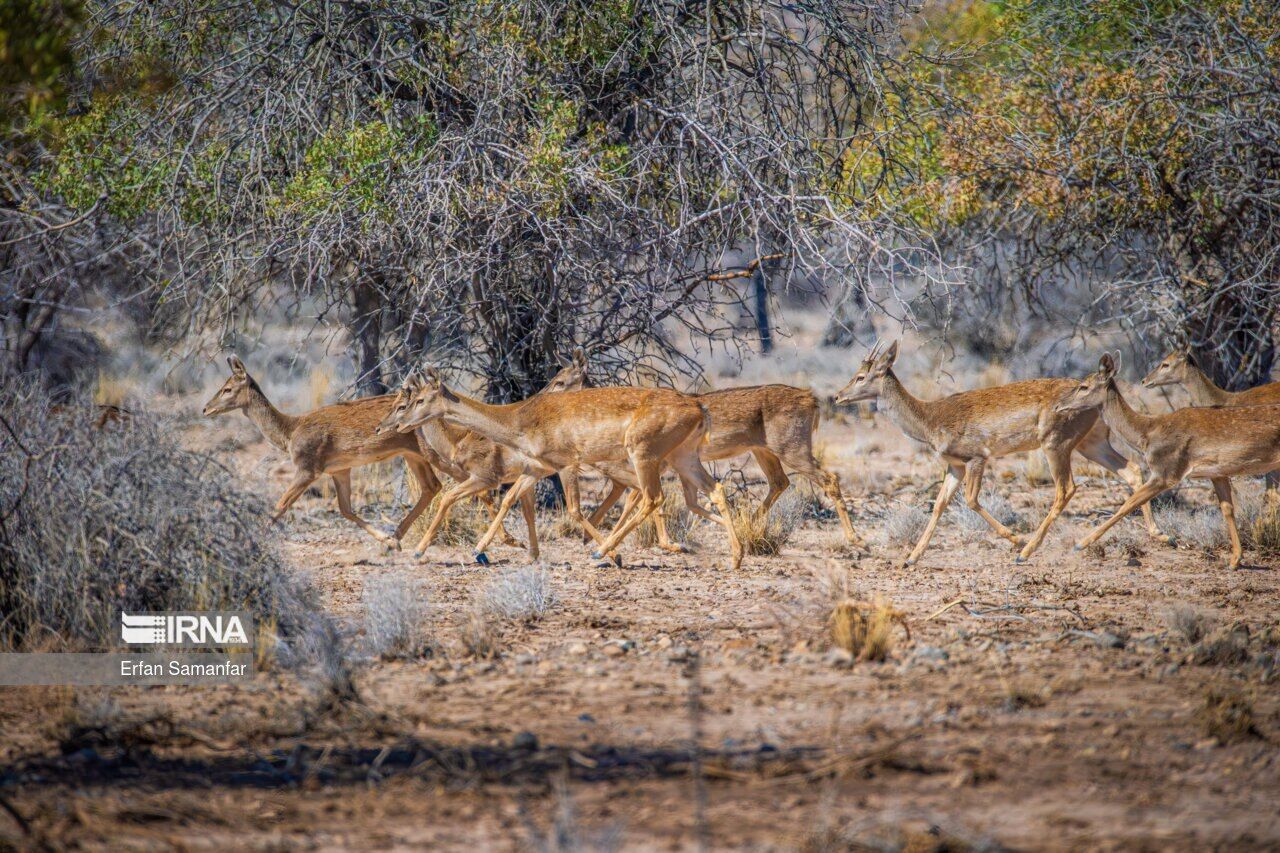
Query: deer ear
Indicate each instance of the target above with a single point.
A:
(580, 357)
(431, 375)
(1107, 364)
(236, 365)
(890, 355)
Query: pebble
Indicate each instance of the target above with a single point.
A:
(838, 657)
(931, 653)
(614, 650)
(664, 642)
(578, 649)
(525, 740)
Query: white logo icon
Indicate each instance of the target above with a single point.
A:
(183, 629)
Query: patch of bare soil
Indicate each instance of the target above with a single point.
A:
(1112, 699)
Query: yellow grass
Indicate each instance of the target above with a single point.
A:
(865, 629)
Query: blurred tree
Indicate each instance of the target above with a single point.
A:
(1131, 143)
(493, 181)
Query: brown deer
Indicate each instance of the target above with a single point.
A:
(643, 427)
(1179, 368)
(775, 424)
(970, 428)
(476, 464)
(330, 440)
(1215, 443)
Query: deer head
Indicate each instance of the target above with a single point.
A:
(868, 381)
(1092, 390)
(1174, 370)
(236, 393)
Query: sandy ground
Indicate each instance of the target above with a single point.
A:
(1051, 706)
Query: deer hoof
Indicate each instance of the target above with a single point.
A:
(1077, 547)
(596, 555)
(418, 555)
(1019, 560)
(482, 558)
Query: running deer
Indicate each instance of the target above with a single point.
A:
(330, 440)
(476, 464)
(642, 427)
(970, 428)
(1215, 443)
(1179, 368)
(775, 424)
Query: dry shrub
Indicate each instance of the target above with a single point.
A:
(96, 522)
(1189, 622)
(865, 629)
(1227, 716)
(902, 526)
(1024, 693)
(396, 619)
(1265, 530)
(480, 634)
(1227, 647)
(679, 520)
(523, 594)
(557, 525)
(764, 535)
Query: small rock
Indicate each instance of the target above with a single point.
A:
(614, 650)
(525, 659)
(678, 654)
(931, 653)
(664, 642)
(586, 718)
(838, 657)
(525, 740)
(1108, 640)
(578, 649)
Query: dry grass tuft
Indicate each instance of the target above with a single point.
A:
(764, 536)
(1227, 647)
(1227, 716)
(1189, 622)
(1035, 470)
(1265, 530)
(902, 526)
(524, 595)
(480, 634)
(1024, 693)
(865, 629)
(395, 617)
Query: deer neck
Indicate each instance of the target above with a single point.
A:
(1203, 390)
(441, 437)
(911, 414)
(1120, 417)
(498, 423)
(276, 427)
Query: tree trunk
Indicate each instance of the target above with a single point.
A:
(366, 328)
(762, 310)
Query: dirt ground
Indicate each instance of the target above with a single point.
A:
(1054, 705)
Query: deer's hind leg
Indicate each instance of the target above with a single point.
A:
(1222, 487)
(342, 484)
(1140, 496)
(428, 488)
(774, 474)
(805, 465)
(1064, 485)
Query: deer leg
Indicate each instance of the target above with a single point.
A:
(487, 499)
(428, 488)
(1222, 486)
(616, 489)
(529, 511)
(972, 487)
(688, 466)
(774, 475)
(1141, 495)
(573, 503)
(808, 467)
(950, 483)
(649, 477)
(1096, 447)
(522, 485)
(1059, 459)
(301, 479)
(342, 485)
(468, 487)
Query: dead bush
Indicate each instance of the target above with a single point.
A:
(480, 634)
(396, 619)
(902, 526)
(1189, 622)
(1265, 530)
(1227, 716)
(1226, 647)
(764, 535)
(523, 594)
(865, 629)
(97, 522)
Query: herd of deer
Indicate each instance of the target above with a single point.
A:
(630, 435)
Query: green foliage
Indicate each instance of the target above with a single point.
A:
(35, 54)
